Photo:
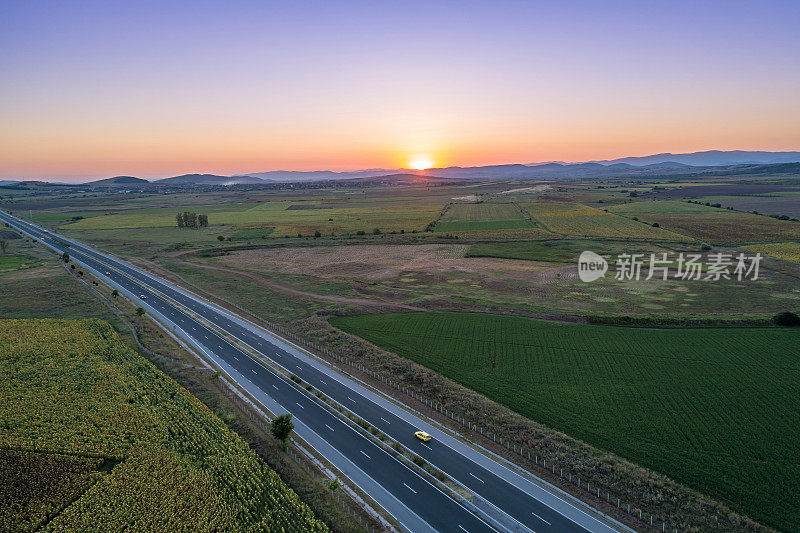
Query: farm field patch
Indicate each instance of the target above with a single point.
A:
(35, 485)
(788, 205)
(697, 190)
(540, 277)
(789, 251)
(663, 207)
(670, 400)
(574, 219)
(44, 288)
(15, 262)
(285, 217)
(558, 251)
(483, 216)
(73, 387)
(715, 225)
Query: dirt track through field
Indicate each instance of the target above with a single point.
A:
(270, 283)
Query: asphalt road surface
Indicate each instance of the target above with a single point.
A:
(415, 502)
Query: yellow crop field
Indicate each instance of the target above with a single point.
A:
(575, 219)
(789, 251)
(157, 458)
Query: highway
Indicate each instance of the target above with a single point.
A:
(417, 504)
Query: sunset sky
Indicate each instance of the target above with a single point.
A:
(153, 89)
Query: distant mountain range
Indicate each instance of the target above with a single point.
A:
(209, 179)
(711, 158)
(713, 161)
(557, 169)
(119, 181)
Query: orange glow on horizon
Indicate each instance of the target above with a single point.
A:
(420, 162)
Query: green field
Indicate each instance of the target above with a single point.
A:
(285, 216)
(14, 262)
(713, 408)
(115, 444)
(483, 216)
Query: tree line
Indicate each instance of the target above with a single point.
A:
(190, 219)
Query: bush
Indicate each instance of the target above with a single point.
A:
(656, 225)
(419, 461)
(705, 247)
(786, 318)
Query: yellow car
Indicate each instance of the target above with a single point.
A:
(421, 435)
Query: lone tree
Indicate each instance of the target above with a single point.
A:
(140, 311)
(282, 427)
(65, 257)
(114, 293)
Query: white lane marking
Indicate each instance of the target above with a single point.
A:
(298, 405)
(540, 518)
(327, 426)
(235, 357)
(462, 528)
(385, 420)
(274, 387)
(409, 488)
(253, 371)
(322, 382)
(367, 456)
(476, 477)
(352, 400)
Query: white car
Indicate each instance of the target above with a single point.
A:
(143, 296)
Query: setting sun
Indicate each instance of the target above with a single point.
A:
(420, 162)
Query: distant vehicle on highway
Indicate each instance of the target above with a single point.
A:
(46, 231)
(143, 296)
(421, 435)
(108, 273)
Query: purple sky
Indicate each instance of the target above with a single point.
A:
(93, 89)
